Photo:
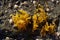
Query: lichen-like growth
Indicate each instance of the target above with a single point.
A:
(42, 15)
(35, 24)
(38, 17)
(48, 29)
(21, 19)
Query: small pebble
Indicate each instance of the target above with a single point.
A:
(15, 6)
(7, 38)
(6, 11)
(34, 2)
(52, 0)
(38, 39)
(9, 5)
(25, 2)
(47, 9)
(10, 20)
(57, 1)
(58, 34)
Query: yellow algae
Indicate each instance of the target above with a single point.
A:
(43, 16)
(21, 20)
(35, 24)
(48, 28)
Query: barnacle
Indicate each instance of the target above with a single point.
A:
(21, 19)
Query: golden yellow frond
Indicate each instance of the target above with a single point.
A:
(21, 20)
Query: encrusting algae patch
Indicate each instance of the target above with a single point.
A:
(22, 18)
